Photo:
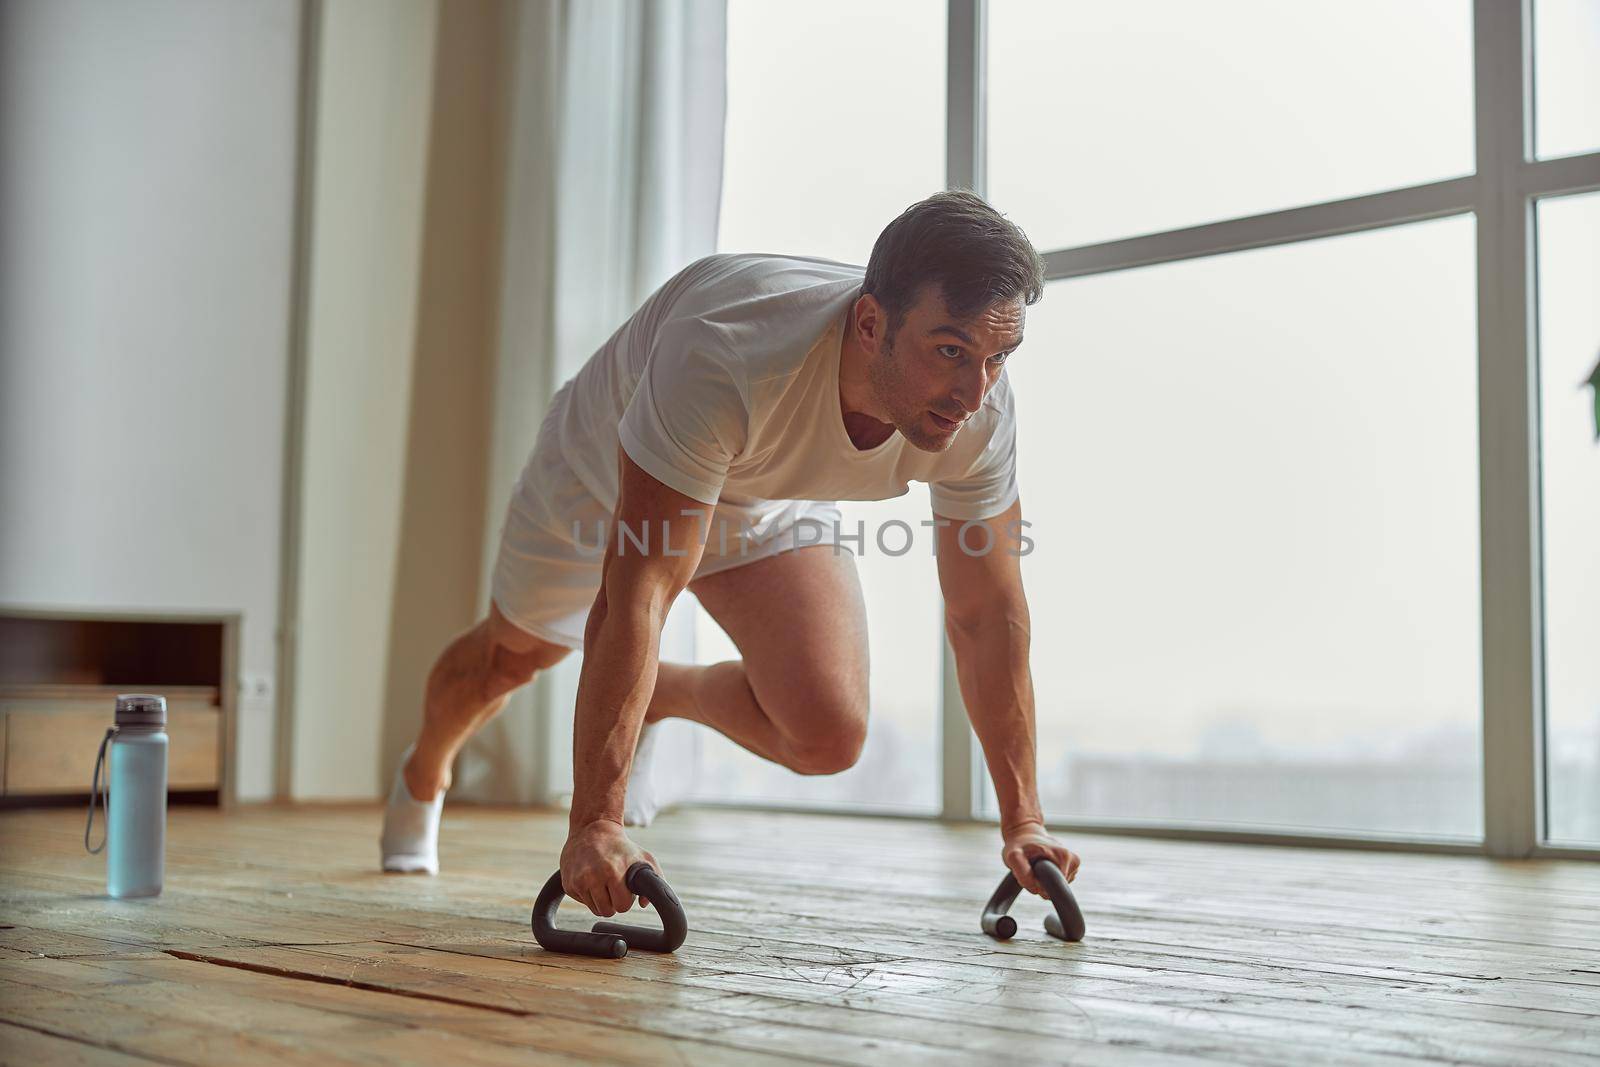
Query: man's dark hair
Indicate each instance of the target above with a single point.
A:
(953, 240)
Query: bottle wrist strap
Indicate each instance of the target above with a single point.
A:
(95, 793)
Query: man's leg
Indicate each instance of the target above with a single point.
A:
(468, 685)
(799, 696)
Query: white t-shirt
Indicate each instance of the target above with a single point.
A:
(724, 385)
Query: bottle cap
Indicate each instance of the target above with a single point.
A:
(141, 709)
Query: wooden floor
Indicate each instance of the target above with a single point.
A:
(820, 939)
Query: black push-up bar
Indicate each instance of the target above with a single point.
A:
(608, 939)
(1066, 923)
(612, 940)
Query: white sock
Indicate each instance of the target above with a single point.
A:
(410, 842)
(651, 789)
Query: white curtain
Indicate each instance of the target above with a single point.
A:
(613, 182)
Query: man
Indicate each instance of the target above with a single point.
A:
(729, 412)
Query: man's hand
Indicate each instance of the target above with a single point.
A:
(1028, 840)
(593, 864)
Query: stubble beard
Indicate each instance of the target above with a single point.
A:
(888, 385)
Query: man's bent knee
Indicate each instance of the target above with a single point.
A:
(514, 655)
(829, 752)
(516, 641)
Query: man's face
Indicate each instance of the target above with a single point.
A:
(933, 374)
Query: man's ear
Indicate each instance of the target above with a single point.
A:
(870, 320)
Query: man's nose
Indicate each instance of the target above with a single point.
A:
(969, 390)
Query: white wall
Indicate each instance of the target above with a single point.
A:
(146, 207)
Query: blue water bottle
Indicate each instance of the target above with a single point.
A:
(134, 797)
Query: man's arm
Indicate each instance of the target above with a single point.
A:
(986, 618)
(621, 654)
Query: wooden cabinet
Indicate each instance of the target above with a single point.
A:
(52, 737)
(60, 674)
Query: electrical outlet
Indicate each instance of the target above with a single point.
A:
(256, 688)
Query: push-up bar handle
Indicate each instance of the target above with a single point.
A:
(1067, 921)
(609, 939)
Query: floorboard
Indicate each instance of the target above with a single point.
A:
(814, 939)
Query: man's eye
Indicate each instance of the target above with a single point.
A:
(950, 351)
(999, 357)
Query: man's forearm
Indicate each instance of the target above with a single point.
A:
(618, 676)
(991, 652)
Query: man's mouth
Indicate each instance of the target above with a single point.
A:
(944, 423)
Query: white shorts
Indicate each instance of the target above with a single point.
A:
(547, 571)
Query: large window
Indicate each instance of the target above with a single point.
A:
(1566, 76)
(1113, 119)
(1254, 580)
(1302, 418)
(836, 124)
(1569, 351)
